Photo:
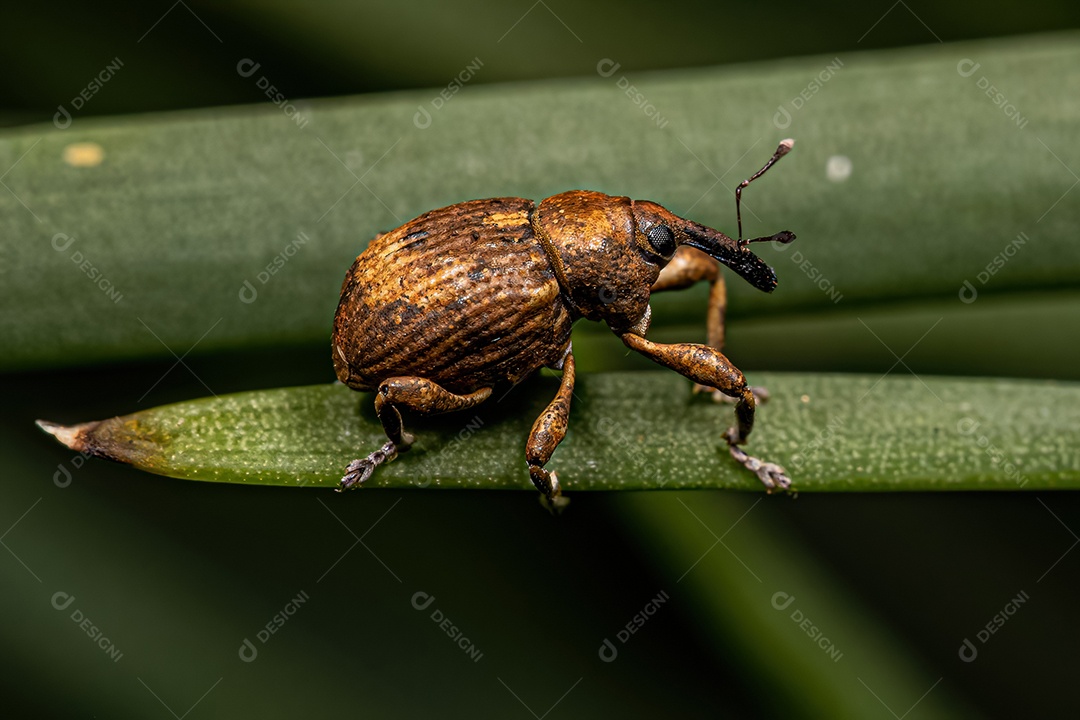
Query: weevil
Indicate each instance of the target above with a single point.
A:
(438, 313)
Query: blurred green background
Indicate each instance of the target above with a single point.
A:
(177, 575)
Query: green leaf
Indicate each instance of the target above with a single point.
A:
(186, 210)
(628, 431)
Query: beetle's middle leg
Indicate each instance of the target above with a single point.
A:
(709, 367)
(547, 432)
(411, 393)
(687, 267)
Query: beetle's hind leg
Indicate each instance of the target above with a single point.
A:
(547, 432)
(708, 366)
(411, 393)
(689, 266)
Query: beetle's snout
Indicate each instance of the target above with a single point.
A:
(734, 254)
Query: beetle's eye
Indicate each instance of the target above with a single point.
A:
(662, 240)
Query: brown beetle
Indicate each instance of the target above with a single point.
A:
(437, 313)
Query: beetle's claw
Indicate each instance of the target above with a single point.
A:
(358, 471)
(772, 476)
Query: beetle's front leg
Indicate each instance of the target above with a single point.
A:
(688, 267)
(708, 366)
(411, 393)
(547, 432)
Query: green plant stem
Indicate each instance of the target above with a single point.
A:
(628, 431)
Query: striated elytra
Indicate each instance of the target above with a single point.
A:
(437, 314)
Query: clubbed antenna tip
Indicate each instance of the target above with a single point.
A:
(782, 149)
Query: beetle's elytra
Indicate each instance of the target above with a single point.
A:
(436, 314)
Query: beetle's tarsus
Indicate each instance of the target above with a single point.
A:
(546, 482)
(772, 476)
(358, 471)
(411, 393)
(552, 498)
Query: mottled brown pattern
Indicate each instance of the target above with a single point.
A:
(464, 296)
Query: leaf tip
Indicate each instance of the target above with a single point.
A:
(73, 436)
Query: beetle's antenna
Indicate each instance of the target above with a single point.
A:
(781, 151)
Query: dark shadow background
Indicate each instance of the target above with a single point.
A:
(187, 58)
(178, 574)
